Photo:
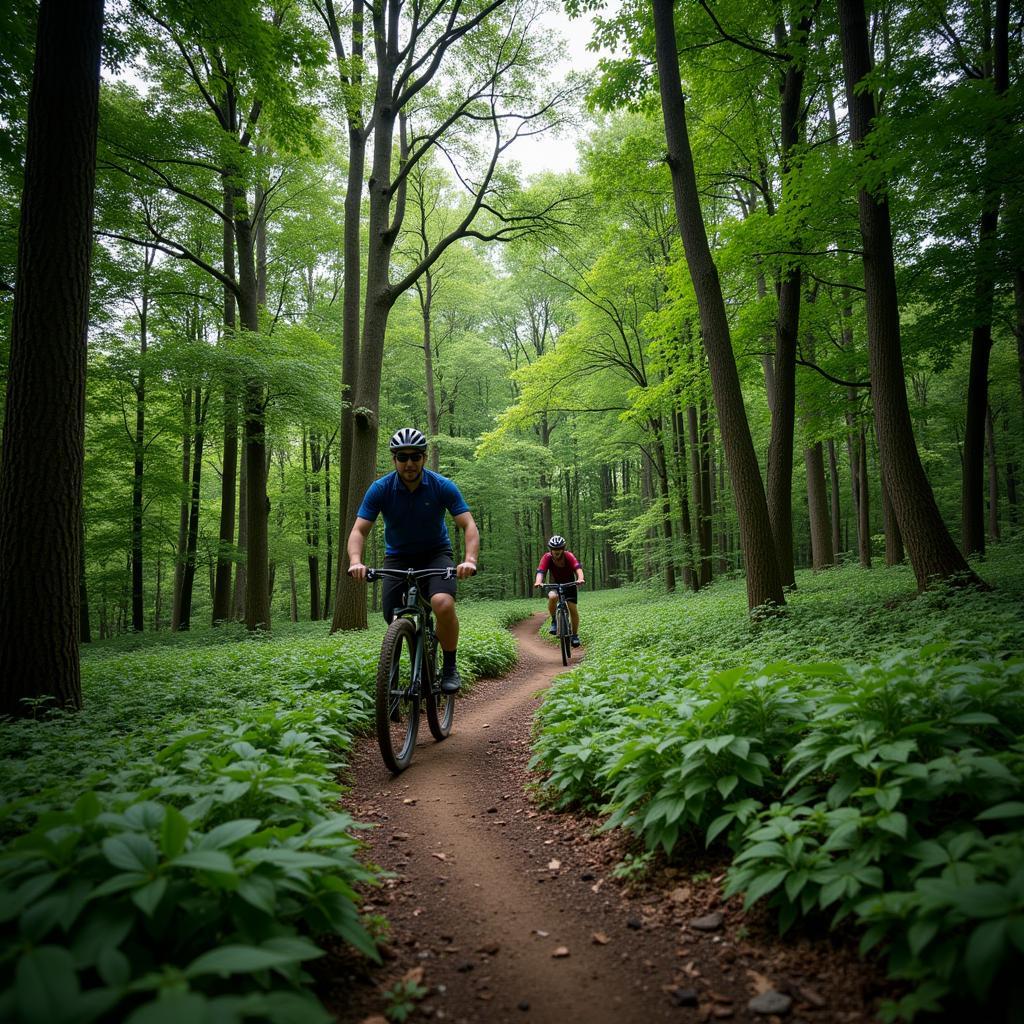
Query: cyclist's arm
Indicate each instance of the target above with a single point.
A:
(356, 540)
(465, 522)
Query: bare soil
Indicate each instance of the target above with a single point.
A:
(504, 911)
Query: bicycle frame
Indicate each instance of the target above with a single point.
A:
(417, 608)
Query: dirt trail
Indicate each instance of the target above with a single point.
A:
(487, 888)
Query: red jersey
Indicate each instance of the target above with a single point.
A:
(565, 573)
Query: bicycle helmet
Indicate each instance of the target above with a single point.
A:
(408, 437)
(556, 542)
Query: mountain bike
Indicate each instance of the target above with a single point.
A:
(408, 672)
(563, 621)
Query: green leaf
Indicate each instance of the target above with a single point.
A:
(46, 984)
(206, 860)
(171, 1008)
(149, 896)
(114, 968)
(173, 833)
(226, 834)
(896, 823)
(1010, 809)
(239, 959)
(131, 852)
(764, 884)
(986, 950)
(726, 784)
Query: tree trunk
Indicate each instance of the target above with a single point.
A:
(311, 488)
(292, 591)
(993, 477)
(661, 468)
(222, 605)
(822, 554)
(972, 499)
(705, 523)
(833, 469)
(44, 414)
(426, 303)
(863, 500)
(764, 584)
(894, 554)
(183, 507)
(328, 578)
(349, 595)
(682, 485)
(188, 578)
(932, 552)
(84, 629)
(138, 593)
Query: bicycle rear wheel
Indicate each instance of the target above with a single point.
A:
(398, 703)
(563, 635)
(440, 706)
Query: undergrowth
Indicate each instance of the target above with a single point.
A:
(175, 850)
(861, 756)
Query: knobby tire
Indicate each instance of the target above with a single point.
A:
(563, 636)
(440, 706)
(398, 707)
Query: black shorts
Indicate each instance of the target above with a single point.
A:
(393, 594)
(569, 592)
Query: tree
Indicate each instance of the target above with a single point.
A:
(41, 468)
(490, 89)
(932, 552)
(764, 584)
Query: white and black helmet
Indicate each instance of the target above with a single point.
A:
(408, 437)
(556, 542)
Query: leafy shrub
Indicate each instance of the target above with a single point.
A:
(192, 886)
(857, 766)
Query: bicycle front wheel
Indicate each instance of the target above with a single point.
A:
(440, 706)
(398, 702)
(563, 636)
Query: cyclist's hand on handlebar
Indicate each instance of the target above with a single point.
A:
(465, 569)
(357, 571)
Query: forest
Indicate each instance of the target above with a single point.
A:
(759, 357)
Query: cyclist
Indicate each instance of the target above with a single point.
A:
(564, 568)
(413, 501)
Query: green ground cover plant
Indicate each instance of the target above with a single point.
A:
(861, 756)
(175, 850)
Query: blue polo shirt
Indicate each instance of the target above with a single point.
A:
(413, 520)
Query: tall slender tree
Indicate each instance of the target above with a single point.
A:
(932, 552)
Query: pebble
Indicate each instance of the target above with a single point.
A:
(770, 1002)
(708, 923)
(685, 997)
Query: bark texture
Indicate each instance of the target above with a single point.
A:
(764, 586)
(43, 441)
(932, 552)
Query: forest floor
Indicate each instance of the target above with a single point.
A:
(501, 910)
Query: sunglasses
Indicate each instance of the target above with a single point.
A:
(406, 456)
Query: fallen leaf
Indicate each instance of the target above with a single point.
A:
(440, 856)
(409, 800)
(600, 938)
(485, 726)
(597, 885)
(680, 894)
(561, 951)
(760, 982)
(414, 975)
(554, 865)
(543, 935)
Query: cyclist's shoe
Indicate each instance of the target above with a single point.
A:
(554, 628)
(451, 681)
(574, 640)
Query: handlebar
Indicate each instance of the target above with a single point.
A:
(559, 586)
(409, 574)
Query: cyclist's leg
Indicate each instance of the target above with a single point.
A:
(574, 615)
(442, 600)
(391, 593)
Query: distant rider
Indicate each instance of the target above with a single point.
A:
(564, 567)
(413, 501)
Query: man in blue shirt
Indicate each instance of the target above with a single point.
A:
(413, 501)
